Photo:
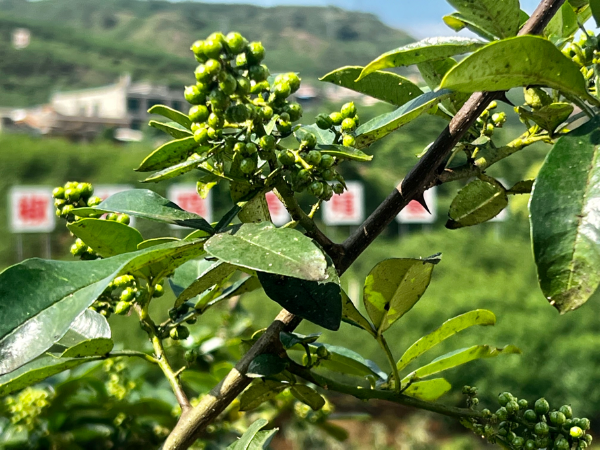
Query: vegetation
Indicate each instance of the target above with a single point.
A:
(240, 133)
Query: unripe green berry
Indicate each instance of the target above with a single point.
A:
(78, 248)
(518, 442)
(530, 445)
(59, 203)
(179, 333)
(193, 95)
(241, 60)
(499, 119)
(213, 48)
(215, 121)
(255, 52)
(293, 80)
(327, 192)
(218, 99)
(240, 147)
(338, 188)
(192, 320)
(227, 83)
(282, 90)
(213, 67)
(243, 86)
(294, 110)
(251, 148)
(235, 42)
(248, 165)
(201, 136)
(336, 118)
(530, 415)
(303, 176)
(94, 201)
(309, 141)
(348, 110)
(58, 193)
(561, 444)
(557, 418)
(502, 413)
(214, 133)
(523, 404)
(198, 48)
(541, 429)
(267, 142)
(201, 73)
(316, 188)
(324, 122)
(512, 407)
(122, 308)
(191, 356)
(286, 157)
(541, 406)
(284, 128)
(348, 140)
(313, 157)
(198, 113)
(258, 87)
(584, 424)
(326, 161)
(123, 280)
(567, 411)
(266, 112)
(348, 125)
(72, 194)
(258, 73)
(322, 352)
(127, 295)
(124, 219)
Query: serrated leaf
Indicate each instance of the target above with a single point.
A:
(308, 396)
(344, 152)
(500, 18)
(320, 302)
(394, 286)
(428, 390)
(264, 248)
(548, 117)
(564, 212)
(384, 124)
(38, 310)
(446, 330)
(214, 274)
(253, 438)
(174, 115)
(266, 365)
(503, 65)
(479, 201)
(424, 50)
(36, 371)
(259, 392)
(386, 86)
(147, 205)
(171, 128)
(91, 347)
(106, 237)
(352, 316)
(324, 137)
(169, 154)
(458, 22)
(458, 358)
(178, 169)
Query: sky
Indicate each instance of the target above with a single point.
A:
(419, 18)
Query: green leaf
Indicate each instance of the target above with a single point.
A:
(394, 286)
(521, 187)
(36, 371)
(548, 117)
(214, 274)
(320, 302)
(171, 128)
(88, 325)
(91, 347)
(500, 18)
(259, 392)
(41, 299)
(384, 124)
(308, 396)
(385, 86)
(513, 62)
(106, 237)
(563, 24)
(174, 115)
(262, 247)
(266, 365)
(335, 431)
(178, 169)
(458, 358)
(289, 339)
(324, 137)
(433, 72)
(147, 205)
(346, 361)
(448, 329)
(352, 316)
(458, 22)
(479, 201)
(425, 50)
(169, 154)
(240, 287)
(157, 241)
(344, 152)
(595, 7)
(428, 390)
(253, 439)
(565, 213)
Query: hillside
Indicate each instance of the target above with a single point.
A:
(81, 43)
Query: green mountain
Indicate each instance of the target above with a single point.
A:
(84, 43)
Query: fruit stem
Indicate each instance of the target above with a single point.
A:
(388, 353)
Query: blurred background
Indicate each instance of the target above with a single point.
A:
(76, 77)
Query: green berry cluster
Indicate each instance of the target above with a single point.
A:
(119, 382)
(25, 408)
(517, 425)
(343, 123)
(489, 121)
(232, 93)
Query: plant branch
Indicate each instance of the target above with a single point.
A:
(413, 186)
(372, 394)
(132, 353)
